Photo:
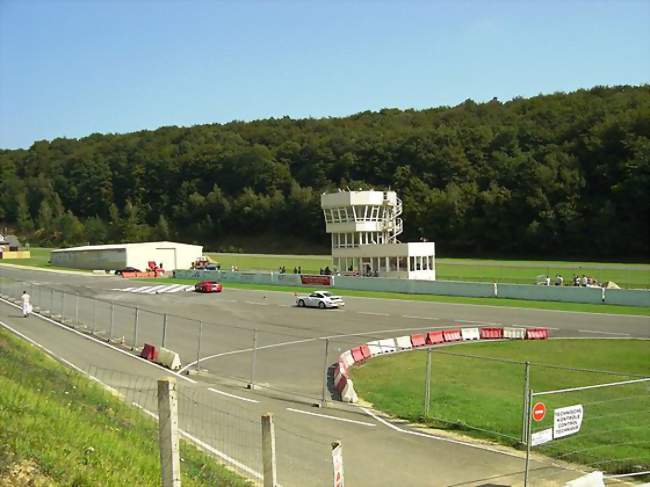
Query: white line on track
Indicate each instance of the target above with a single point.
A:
(142, 289)
(428, 318)
(105, 344)
(155, 289)
(327, 416)
(234, 396)
(604, 332)
(372, 313)
(432, 437)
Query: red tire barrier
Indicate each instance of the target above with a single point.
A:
(451, 335)
(365, 351)
(341, 384)
(418, 340)
(434, 337)
(357, 355)
(491, 333)
(537, 333)
(148, 352)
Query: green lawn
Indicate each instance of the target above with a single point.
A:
(512, 303)
(484, 397)
(65, 430)
(477, 270)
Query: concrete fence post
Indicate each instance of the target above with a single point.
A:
(94, 317)
(76, 310)
(427, 385)
(268, 451)
(251, 384)
(170, 465)
(525, 405)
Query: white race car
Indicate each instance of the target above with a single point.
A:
(320, 299)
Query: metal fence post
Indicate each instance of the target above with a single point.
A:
(51, 302)
(135, 330)
(528, 435)
(76, 310)
(168, 433)
(94, 318)
(325, 372)
(427, 385)
(268, 451)
(251, 384)
(62, 307)
(110, 330)
(525, 406)
(198, 347)
(164, 332)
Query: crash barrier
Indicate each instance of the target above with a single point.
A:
(343, 384)
(491, 333)
(470, 334)
(595, 295)
(434, 337)
(168, 358)
(452, 335)
(536, 333)
(403, 342)
(149, 352)
(514, 333)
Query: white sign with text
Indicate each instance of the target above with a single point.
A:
(567, 421)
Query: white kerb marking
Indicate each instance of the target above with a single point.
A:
(327, 416)
(177, 288)
(604, 332)
(227, 394)
(154, 289)
(142, 289)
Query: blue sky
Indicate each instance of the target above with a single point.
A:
(71, 68)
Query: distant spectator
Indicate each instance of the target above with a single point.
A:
(328, 272)
(584, 281)
(375, 273)
(559, 280)
(547, 281)
(321, 271)
(295, 270)
(299, 269)
(232, 268)
(236, 268)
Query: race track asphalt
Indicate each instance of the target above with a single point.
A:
(289, 363)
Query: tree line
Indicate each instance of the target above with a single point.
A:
(565, 174)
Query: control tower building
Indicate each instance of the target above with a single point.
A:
(364, 227)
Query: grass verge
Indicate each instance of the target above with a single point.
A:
(483, 397)
(513, 303)
(58, 428)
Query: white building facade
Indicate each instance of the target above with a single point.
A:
(364, 228)
(172, 255)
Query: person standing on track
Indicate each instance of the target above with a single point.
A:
(27, 306)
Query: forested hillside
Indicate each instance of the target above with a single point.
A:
(555, 175)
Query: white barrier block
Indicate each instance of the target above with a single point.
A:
(514, 333)
(404, 342)
(349, 394)
(169, 359)
(346, 358)
(338, 375)
(470, 334)
(374, 348)
(594, 479)
(387, 345)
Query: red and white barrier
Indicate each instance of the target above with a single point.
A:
(418, 340)
(435, 337)
(169, 359)
(489, 333)
(149, 352)
(387, 345)
(357, 355)
(375, 348)
(365, 350)
(470, 334)
(346, 358)
(514, 333)
(537, 333)
(348, 394)
(403, 342)
(451, 335)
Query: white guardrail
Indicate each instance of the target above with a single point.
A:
(627, 297)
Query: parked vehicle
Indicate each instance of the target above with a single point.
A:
(320, 299)
(126, 269)
(208, 287)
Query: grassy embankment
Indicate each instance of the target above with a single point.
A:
(511, 303)
(58, 428)
(468, 393)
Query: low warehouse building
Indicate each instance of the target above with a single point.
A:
(172, 255)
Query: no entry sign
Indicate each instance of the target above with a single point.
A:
(539, 411)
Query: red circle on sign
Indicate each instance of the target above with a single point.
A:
(539, 411)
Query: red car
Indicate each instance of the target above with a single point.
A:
(208, 287)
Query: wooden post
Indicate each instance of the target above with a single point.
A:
(170, 465)
(268, 450)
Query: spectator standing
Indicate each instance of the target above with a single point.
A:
(295, 270)
(27, 305)
(559, 280)
(583, 281)
(547, 281)
(299, 269)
